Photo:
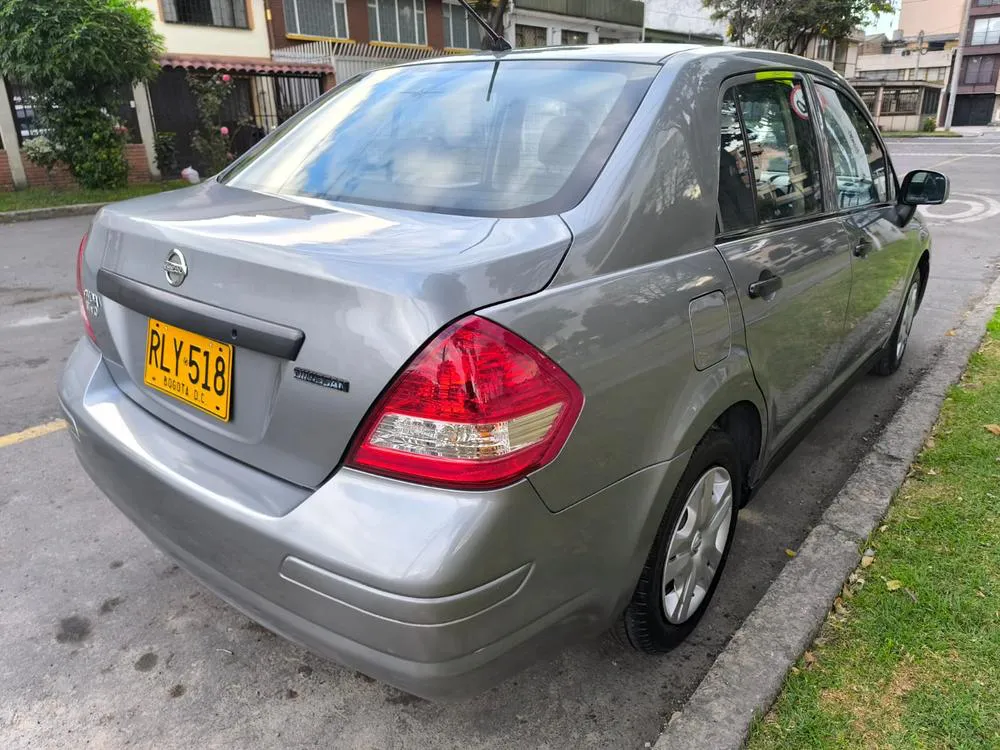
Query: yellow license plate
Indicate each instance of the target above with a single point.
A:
(191, 368)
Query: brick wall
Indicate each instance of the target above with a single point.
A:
(6, 181)
(138, 167)
(135, 154)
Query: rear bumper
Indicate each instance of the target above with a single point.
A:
(422, 588)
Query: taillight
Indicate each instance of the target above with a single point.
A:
(79, 288)
(478, 408)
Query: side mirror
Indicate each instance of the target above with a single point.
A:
(922, 187)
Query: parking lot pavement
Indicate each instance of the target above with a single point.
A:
(104, 641)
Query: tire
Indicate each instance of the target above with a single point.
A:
(656, 619)
(895, 348)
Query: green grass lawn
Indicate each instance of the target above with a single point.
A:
(20, 200)
(910, 655)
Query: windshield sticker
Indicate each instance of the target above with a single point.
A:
(799, 105)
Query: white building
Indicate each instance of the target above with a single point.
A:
(682, 21)
(544, 23)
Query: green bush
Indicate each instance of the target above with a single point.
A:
(929, 125)
(165, 148)
(77, 57)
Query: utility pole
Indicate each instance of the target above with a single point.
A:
(956, 71)
(920, 51)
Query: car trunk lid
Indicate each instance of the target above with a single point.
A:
(326, 302)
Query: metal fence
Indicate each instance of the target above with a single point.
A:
(24, 105)
(256, 105)
(351, 58)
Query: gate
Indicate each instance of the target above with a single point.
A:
(256, 105)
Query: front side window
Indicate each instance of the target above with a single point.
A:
(327, 18)
(783, 149)
(480, 138)
(460, 29)
(736, 195)
(401, 21)
(224, 13)
(858, 160)
(986, 31)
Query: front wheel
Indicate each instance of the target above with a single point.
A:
(895, 348)
(690, 550)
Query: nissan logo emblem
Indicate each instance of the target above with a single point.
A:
(175, 268)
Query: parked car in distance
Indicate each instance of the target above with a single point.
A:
(476, 356)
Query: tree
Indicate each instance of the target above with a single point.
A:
(78, 57)
(788, 25)
(491, 11)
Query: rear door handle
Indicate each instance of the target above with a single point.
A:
(765, 287)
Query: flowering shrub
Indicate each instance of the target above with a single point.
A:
(213, 140)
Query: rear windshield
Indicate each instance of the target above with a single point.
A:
(486, 138)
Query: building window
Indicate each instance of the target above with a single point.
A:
(460, 29)
(316, 18)
(935, 46)
(231, 14)
(529, 36)
(868, 97)
(978, 69)
(607, 40)
(900, 101)
(931, 100)
(986, 31)
(986, 3)
(402, 21)
(573, 38)
(824, 48)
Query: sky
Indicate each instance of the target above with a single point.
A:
(886, 24)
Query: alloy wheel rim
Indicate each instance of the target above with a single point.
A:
(697, 545)
(906, 324)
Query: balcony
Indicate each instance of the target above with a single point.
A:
(627, 12)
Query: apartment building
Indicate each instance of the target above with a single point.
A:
(231, 37)
(924, 49)
(978, 100)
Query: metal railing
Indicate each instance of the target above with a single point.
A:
(24, 106)
(351, 58)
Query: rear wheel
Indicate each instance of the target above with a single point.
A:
(895, 348)
(690, 550)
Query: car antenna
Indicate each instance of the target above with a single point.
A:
(499, 44)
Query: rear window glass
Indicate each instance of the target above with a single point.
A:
(490, 138)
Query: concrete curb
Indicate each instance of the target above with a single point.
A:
(53, 212)
(748, 675)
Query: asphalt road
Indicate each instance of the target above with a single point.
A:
(105, 643)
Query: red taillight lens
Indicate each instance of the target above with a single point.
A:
(79, 288)
(478, 408)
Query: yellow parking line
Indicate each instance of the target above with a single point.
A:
(32, 432)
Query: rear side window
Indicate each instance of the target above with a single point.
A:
(859, 163)
(784, 153)
(736, 192)
(487, 138)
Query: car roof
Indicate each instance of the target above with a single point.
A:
(641, 52)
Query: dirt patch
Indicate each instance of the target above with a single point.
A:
(146, 662)
(73, 629)
(876, 709)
